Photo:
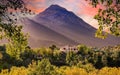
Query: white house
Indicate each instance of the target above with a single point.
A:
(69, 48)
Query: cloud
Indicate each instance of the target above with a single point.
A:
(77, 6)
(80, 7)
(35, 9)
(35, 5)
(87, 9)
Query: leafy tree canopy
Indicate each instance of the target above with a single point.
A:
(108, 16)
(8, 28)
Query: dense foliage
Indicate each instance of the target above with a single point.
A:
(17, 41)
(49, 61)
(45, 68)
(108, 16)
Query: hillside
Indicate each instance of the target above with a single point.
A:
(57, 25)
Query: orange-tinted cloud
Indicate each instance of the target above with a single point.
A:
(35, 9)
(38, 0)
(35, 5)
(81, 6)
(87, 9)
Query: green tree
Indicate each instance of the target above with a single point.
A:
(27, 56)
(15, 71)
(8, 28)
(44, 67)
(82, 49)
(17, 43)
(108, 16)
(88, 67)
(72, 58)
(53, 47)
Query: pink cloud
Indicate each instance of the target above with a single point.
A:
(87, 9)
(36, 10)
(35, 5)
(82, 6)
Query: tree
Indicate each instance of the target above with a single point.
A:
(27, 56)
(88, 67)
(83, 50)
(8, 28)
(108, 16)
(17, 42)
(72, 58)
(15, 71)
(53, 47)
(6, 5)
(44, 67)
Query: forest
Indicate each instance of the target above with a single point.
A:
(52, 61)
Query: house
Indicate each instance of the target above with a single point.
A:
(69, 48)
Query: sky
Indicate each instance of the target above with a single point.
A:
(80, 7)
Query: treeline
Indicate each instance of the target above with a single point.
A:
(52, 61)
(44, 67)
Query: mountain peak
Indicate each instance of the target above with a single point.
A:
(55, 7)
(59, 13)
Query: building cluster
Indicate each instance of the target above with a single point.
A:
(69, 48)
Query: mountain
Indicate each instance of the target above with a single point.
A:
(41, 35)
(57, 25)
